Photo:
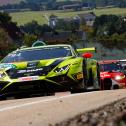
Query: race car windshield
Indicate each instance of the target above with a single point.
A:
(38, 54)
(123, 63)
(111, 67)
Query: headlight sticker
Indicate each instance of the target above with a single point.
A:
(7, 66)
(59, 70)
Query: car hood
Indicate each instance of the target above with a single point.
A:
(33, 64)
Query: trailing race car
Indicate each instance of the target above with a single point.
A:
(47, 69)
(112, 74)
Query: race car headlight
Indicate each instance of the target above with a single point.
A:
(2, 74)
(59, 70)
(119, 77)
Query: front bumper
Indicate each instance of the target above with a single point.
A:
(36, 84)
(120, 83)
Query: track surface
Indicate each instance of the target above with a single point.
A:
(44, 111)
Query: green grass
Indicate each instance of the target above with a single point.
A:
(24, 17)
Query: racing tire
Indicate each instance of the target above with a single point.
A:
(94, 81)
(91, 79)
(98, 78)
(116, 86)
(106, 84)
(79, 88)
(2, 98)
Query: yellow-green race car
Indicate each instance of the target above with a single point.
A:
(47, 69)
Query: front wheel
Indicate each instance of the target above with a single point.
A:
(106, 84)
(116, 86)
(79, 87)
(93, 80)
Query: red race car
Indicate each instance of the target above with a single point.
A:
(112, 75)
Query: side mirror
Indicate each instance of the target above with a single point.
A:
(87, 55)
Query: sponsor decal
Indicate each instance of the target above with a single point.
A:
(79, 76)
(29, 78)
(30, 70)
(7, 65)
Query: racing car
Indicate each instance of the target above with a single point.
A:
(48, 69)
(112, 75)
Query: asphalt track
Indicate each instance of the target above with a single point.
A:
(47, 111)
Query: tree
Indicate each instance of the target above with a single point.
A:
(11, 27)
(33, 28)
(28, 39)
(110, 30)
(6, 43)
(105, 24)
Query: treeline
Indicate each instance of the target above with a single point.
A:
(10, 34)
(13, 36)
(102, 3)
(110, 30)
(37, 5)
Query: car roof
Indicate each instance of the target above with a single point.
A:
(108, 61)
(122, 60)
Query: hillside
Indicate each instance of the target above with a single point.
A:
(24, 17)
(4, 2)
